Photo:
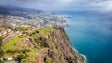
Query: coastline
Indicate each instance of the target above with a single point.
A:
(85, 59)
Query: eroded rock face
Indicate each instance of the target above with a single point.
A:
(59, 50)
(22, 41)
(49, 45)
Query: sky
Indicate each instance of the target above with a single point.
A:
(96, 5)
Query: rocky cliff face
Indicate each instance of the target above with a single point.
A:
(60, 49)
(22, 41)
(46, 45)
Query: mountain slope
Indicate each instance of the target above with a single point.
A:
(34, 37)
(46, 45)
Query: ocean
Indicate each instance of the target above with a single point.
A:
(91, 34)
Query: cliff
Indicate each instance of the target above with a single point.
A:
(46, 45)
(60, 49)
(33, 36)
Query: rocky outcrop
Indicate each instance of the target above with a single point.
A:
(36, 37)
(46, 45)
(59, 50)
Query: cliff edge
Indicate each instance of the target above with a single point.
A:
(45, 45)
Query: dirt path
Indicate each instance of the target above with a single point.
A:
(6, 39)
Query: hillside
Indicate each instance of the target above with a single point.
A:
(30, 36)
(46, 45)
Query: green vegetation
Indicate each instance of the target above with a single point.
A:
(49, 60)
(46, 30)
(1, 52)
(31, 55)
(35, 34)
(11, 44)
(42, 45)
(43, 42)
(21, 29)
(28, 56)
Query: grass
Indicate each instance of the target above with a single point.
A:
(34, 36)
(31, 55)
(11, 44)
(42, 32)
(21, 28)
(46, 30)
(28, 56)
(49, 60)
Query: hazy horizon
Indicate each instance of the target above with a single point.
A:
(68, 5)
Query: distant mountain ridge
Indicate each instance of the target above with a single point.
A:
(17, 11)
(30, 17)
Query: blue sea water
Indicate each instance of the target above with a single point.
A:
(91, 34)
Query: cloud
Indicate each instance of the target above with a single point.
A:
(102, 5)
(97, 5)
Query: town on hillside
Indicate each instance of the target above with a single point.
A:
(21, 29)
